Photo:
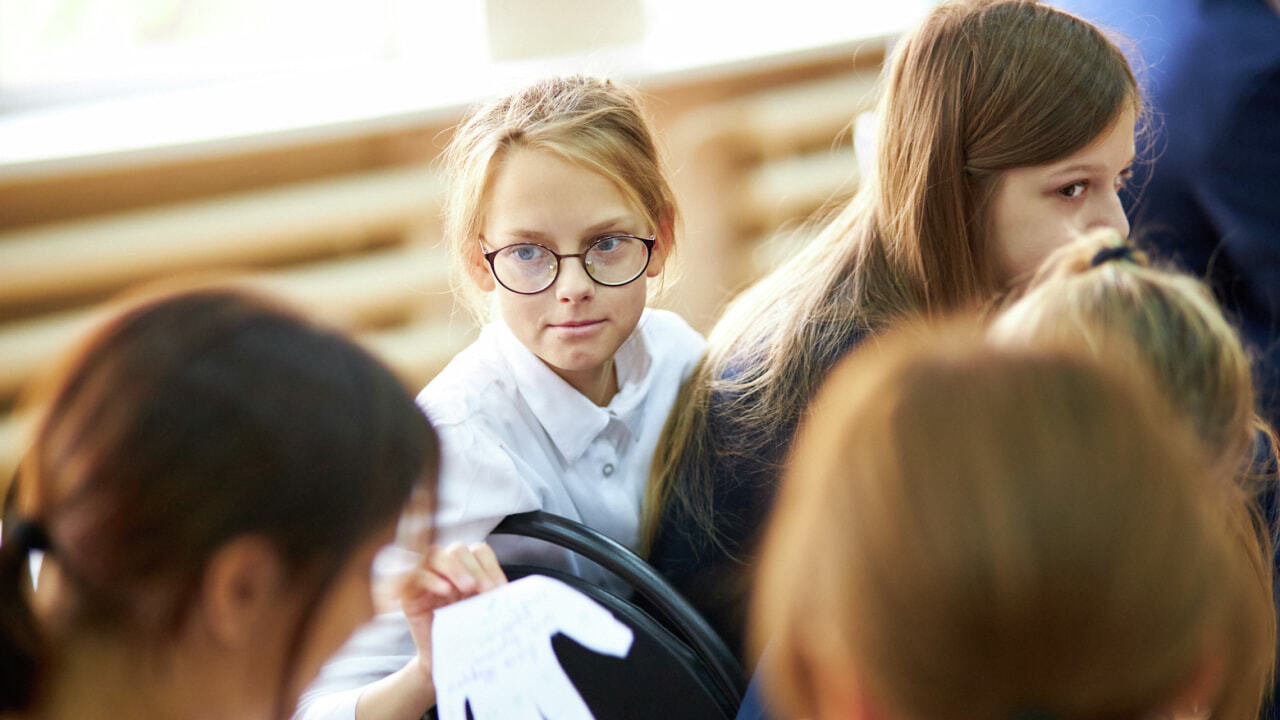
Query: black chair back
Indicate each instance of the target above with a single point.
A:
(678, 666)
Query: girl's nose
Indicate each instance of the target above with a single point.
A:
(1111, 215)
(573, 283)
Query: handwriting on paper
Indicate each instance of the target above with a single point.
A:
(494, 650)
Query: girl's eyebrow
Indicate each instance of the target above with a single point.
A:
(1078, 168)
(1087, 168)
(527, 234)
(538, 235)
(619, 220)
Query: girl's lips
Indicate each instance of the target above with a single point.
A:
(578, 327)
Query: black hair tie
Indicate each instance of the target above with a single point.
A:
(1115, 252)
(28, 535)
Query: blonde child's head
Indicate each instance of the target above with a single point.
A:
(561, 213)
(587, 121)
(1098, 292)
(988, 533)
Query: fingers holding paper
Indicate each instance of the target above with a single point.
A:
(447, 574)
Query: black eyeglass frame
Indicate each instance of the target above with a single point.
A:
(582, 258)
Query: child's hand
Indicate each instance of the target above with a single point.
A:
(447, 575)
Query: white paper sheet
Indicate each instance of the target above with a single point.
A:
(494, 650)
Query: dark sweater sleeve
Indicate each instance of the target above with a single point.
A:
(715, 574)
(745, 464)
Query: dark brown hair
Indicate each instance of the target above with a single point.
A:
(187, 421)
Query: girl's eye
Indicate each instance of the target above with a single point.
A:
(526, 253)
(607, 244)
(1123, 178)
(1074, 190)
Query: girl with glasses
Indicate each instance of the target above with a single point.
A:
(1006, 129)
(560, 215)
(207, 488)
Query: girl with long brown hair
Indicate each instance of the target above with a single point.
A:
(1006, 128)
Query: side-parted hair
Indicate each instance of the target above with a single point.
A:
(982, 532)
(1168, 318)
(591, 122)
(978, 88)
(184, 422)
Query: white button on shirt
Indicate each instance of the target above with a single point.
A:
(516, 437)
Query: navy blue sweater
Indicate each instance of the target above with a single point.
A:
(746, 464)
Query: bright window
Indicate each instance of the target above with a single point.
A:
(101, 80)
(60, 50)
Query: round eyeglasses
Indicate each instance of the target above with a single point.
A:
(612, 260)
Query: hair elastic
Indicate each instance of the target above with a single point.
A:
(28, 535)
(1114, 252)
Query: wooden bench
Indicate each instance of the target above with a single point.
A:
(755, 166)
(360, 251)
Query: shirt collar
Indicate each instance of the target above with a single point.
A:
(633, 361)
(570, 419)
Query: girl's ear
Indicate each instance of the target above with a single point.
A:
(479, 271)
(1197, 695)
(661, 248)
(238, 594)
(840, 695)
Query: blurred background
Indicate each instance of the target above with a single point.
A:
(291, 143)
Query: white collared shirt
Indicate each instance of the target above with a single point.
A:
(516, 437)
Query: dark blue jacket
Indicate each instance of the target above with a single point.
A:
(716, 576)
(1207, 193)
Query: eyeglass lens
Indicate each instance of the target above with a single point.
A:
(528, 268)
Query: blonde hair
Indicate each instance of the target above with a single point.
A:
(982, 532)
(1170, 321)
(591, 122)
(979, 87)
